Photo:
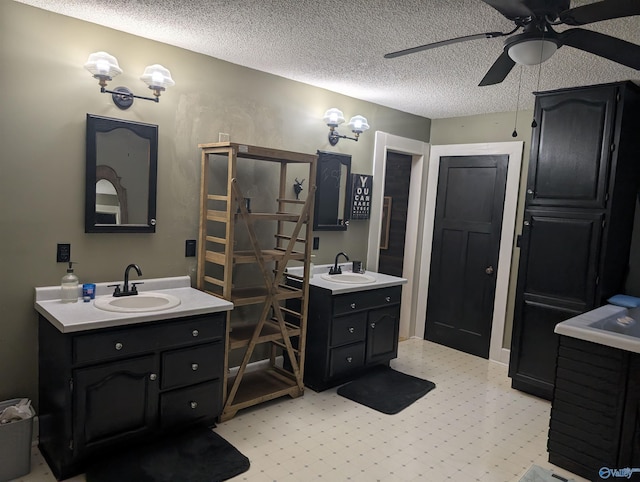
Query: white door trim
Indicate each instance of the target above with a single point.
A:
(419, 152)
(514, 151)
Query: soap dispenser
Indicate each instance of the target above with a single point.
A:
(69, 286)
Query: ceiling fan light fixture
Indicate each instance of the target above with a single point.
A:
(532, 51)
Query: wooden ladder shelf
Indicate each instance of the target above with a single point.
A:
(281, 324)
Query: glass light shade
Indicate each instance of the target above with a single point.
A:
(103, 65)
(157, 77)
(532, 52)
(358, 124)
(333, 117)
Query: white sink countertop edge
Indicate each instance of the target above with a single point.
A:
(80, 316)
(381, 280)
(578, 327)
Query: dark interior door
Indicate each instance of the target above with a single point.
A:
(464, 259)
(396, 188)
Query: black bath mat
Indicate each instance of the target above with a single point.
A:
(386, 390)
(194, 456)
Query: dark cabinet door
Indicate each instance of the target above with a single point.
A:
(559, 257)
(557, 280)
(570, 149)
(383, 326)
(532, 367)
(115, 400)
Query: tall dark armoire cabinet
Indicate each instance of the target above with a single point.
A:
(581, 194)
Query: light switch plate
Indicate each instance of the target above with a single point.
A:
(190, 248)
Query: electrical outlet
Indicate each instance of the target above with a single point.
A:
(63, 254)
(316, 242)
(190, 248)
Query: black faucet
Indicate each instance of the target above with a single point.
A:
(337, 269)
(125, 289)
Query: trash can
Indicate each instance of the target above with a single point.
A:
(15, 444)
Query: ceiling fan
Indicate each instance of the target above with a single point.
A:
(539, 41)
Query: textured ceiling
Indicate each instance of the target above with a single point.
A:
(339, 45)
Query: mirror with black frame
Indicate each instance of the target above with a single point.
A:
(121, 176)
(331, 210)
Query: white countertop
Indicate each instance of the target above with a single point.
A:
(381, 280)
(580, 327)
(80, 316)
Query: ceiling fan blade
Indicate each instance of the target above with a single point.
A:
(499, 70)
(611, 48)
(442, 43)
(511, 9)
(604, 10)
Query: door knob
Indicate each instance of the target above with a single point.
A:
(489, 270)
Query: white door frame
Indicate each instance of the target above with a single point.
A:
(514, 151)
(419, 152)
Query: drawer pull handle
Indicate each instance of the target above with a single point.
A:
(388, 298)
(195, 333)
(118, 346)
(351, 329)
(193, 404)
(353, 306)
(153, 376)
(194, 366)
(349, 359)
(373, 325)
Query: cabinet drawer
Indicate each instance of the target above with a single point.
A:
(346, 359)
(348, 329)
(363, 300)
(123, 342)
(201, 402)
(192, 365)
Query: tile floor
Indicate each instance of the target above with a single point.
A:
(471, 427)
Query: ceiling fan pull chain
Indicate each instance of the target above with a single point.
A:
(534, 124)
(515, 124)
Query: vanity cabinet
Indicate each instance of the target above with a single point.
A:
(595, 409)
(101, 389)
(578, 219)
(349, 333)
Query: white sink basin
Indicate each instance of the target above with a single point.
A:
(140, 303)
(350, 278)
(622, 323)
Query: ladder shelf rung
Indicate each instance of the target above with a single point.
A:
(216, 239)
(214, 281)
(216, 215)
(279, 216)
(258, 294)
(291, 201)
(287, 237)
(239, 336)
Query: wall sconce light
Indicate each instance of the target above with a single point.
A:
(104, 67)
(334, 117)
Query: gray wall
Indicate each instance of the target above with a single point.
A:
(45, 94)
